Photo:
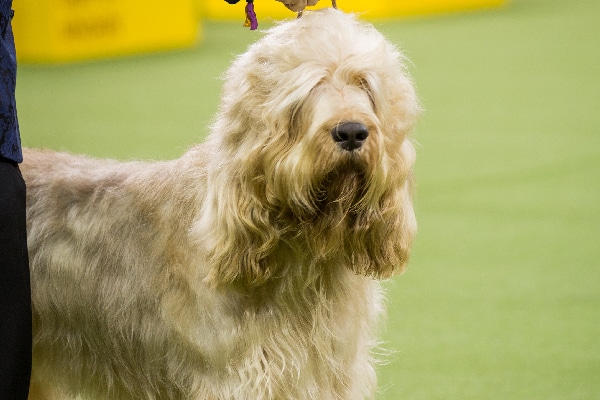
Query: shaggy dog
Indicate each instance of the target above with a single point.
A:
(248, 268)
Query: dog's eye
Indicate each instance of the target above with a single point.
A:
(364, 85)
(295, 120)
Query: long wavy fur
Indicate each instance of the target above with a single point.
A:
(246, 269)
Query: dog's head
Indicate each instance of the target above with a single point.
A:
(311, 151)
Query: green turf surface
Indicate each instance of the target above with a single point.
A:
(502, 297)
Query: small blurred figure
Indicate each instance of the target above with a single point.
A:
(298, 5)
(294, 5)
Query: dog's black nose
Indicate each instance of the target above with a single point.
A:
(350, 135)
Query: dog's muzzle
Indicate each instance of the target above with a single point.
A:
(350, 135)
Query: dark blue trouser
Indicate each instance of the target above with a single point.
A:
(15, 295)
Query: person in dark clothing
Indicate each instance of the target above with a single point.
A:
(15, 293)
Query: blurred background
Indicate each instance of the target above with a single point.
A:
(502, 296)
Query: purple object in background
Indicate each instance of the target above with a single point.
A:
(251, 20)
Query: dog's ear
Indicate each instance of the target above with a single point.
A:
(388, 237)
(235, 231)
(383, 234)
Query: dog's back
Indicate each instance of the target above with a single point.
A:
(105, 240)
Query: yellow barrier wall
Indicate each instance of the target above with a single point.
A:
(220, 10)
(68, 30)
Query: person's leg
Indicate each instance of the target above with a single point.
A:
(15, 292)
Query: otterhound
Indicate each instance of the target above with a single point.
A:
(249, 268)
